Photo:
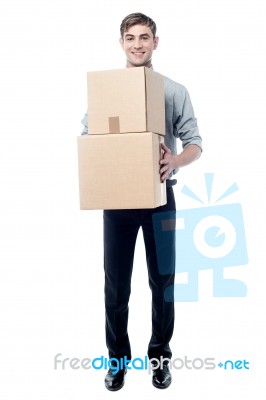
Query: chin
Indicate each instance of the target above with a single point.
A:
(139, 63)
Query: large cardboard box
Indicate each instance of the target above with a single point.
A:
(126, 100)
(120, 171)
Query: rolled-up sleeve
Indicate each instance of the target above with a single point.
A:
(84, 121)
(185, 127)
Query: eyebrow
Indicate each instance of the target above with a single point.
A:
(130, 35)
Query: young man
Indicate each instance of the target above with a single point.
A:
(138, 40)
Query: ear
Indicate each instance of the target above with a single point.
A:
(121, 41)
(155, 42)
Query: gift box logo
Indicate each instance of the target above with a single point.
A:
(208, 237)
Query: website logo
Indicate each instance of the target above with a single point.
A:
(146, 364)
(210, 237)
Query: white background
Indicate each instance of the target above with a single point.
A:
(51, 287)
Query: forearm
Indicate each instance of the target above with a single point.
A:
(191, 153)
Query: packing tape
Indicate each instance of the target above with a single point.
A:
(114, 125)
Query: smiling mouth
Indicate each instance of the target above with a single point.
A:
(138, 52)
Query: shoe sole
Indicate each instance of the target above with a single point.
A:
(161, 387)
(116, 388)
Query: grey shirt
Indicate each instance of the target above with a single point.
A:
(180, 121)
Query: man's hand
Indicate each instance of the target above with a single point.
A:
(167, 163)
(170, 161)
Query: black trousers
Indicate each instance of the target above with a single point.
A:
(120, 234)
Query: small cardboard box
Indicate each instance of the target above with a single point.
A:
(120, 171)
(126, 100)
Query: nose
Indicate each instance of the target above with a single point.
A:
(137, 44)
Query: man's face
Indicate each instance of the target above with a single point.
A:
(138, 44)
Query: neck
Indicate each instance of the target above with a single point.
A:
(149, 65)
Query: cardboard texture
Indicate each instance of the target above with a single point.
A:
(120, 171)
(126, 100)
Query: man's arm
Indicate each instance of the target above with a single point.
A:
(174, 161)
(84, 121)
(184, 128)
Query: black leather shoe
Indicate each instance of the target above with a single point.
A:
(115, 381)
(161, 378)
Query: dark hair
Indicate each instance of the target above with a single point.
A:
(137, 19)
